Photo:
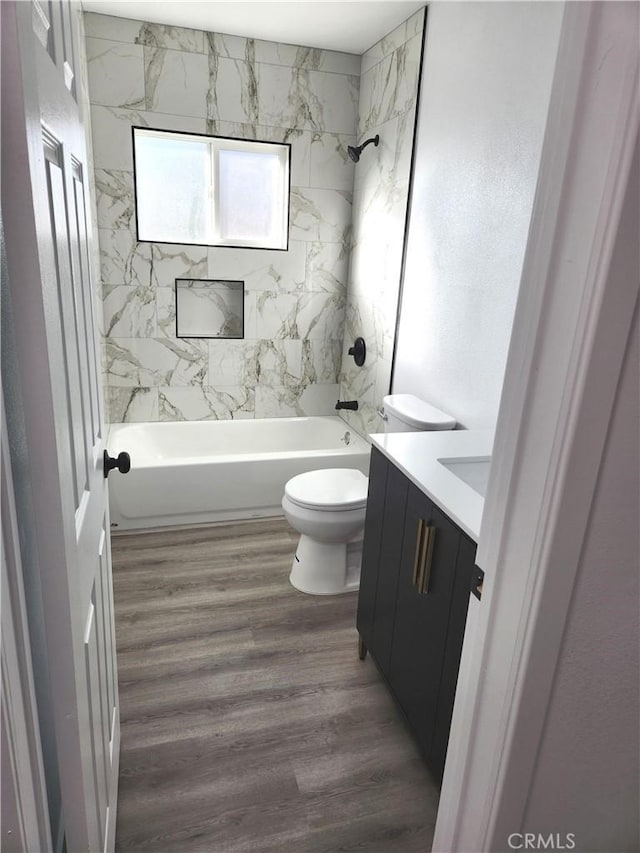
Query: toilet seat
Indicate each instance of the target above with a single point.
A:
(331, 489)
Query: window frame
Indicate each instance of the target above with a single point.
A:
(236, 144)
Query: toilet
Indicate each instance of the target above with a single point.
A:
(327, 507)
(406, 413)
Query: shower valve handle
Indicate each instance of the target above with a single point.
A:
(122, 462)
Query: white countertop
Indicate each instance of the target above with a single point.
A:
(417, 455)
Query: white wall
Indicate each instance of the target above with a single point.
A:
(588, 769)
(486, 85)
(587, 778)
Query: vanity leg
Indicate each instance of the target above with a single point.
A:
(362, 649)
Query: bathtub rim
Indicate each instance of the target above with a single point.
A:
(357, 444)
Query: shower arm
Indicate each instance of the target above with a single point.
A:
(375, 139)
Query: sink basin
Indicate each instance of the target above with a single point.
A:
(472, 470)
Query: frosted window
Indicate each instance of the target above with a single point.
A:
(209, 190)
(250, 197)
(172, 176)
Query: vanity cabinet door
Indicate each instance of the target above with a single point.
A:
(412, 607)
(465, 568)
(389, 568)
(378, 469)
(423, 602)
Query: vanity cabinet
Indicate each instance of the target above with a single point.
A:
(416, 573)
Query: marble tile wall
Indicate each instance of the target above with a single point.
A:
(180, 79)
(388, 94)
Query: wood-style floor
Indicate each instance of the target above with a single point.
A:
(248, 721)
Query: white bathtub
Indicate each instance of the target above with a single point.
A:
(199, 472)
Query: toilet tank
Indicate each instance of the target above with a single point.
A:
(407, 413)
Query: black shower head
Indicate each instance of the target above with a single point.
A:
(355, 153)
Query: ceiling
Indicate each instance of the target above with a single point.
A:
(352, 27)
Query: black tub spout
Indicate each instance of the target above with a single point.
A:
(347, 404)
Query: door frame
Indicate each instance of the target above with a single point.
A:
(569, 337)
(25, 811)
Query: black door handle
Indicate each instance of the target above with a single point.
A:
(122, 462)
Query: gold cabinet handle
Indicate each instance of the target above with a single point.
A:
(416, 562)
(425, 560)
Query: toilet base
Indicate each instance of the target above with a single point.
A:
(326, 568)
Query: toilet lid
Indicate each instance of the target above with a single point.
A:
(329, 489)
(417, 413)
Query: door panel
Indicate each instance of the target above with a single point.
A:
(85, 309)
(77, 233)
(69, 48)
(96, 717)
(42, 21)
(54, 160)
(107, 633)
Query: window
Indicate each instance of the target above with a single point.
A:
(210, 190)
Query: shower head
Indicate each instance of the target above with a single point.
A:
(355, 153)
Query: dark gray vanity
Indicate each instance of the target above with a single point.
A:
(418, 568)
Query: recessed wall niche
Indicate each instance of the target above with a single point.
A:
(209, 308)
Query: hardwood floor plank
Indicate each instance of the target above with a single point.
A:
(390, 830)
(248, 723)
(222, 809)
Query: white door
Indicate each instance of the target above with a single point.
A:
(45, 206)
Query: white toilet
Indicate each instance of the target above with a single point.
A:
(328, 507)
(406, 413)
